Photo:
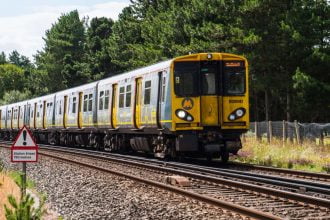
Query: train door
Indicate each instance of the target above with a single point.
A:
(65, 111)
(114, 106)
(24, 115)
(34, 116)
(44, 122)
(12, 118)
(209, 98)
(79, 118)
(137, 107)
(159, 99)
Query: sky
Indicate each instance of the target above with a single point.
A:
(23, 23)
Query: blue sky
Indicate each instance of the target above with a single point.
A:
(23, 22)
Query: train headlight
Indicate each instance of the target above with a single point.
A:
(232, 117)
(238, 113)
(181, 114)
(184, 115)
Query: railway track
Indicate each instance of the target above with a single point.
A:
(250, 195)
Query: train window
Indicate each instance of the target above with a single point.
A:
(147, 92)
(209, 71)
(60, 108)
(121, 97)
(163, 89)
(106, 99)
(234, 78)
(186, 78)
(128, 95)
(101, 100)
(74, 103)
(85, 102)
(90, 102)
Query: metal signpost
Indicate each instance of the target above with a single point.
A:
(25, 150)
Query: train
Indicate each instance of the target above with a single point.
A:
(195, 105)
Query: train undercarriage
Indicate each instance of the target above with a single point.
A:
(161, 144)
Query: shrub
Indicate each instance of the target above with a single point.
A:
(24, 209)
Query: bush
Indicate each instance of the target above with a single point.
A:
(24, 209)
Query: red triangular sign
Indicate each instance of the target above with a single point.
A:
(24, 139)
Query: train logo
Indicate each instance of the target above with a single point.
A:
(187, 103)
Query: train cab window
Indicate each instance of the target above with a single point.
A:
(106, 99)
(163, 89)
(128, 95)
(90, 102)
(234, 78)
(186, 78)
(147, 92)
(74, 104)
(209, 70)
(121, 97)
(101, 100)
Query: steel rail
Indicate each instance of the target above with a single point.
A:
(246, 186)
(216, 202)
(282, 170)
(251, 187)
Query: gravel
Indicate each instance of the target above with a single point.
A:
(76, 192)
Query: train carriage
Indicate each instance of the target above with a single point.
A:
(195, 105)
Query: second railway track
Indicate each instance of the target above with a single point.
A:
(269, 196)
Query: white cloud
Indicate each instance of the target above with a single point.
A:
(24, 33)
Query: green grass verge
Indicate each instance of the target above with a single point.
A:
(16, 176)
(308, 156)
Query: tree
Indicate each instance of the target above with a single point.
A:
(64, 54)
(11, 78)
(98, 58)
(3, 58)
(14, 96)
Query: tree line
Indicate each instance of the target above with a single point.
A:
(286, 43)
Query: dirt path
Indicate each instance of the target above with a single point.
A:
(7, 187)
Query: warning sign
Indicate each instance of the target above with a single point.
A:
(27, 155)
(24, 139)
(24, 148)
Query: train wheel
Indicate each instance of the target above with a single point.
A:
(224, 156)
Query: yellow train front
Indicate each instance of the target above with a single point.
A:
(210, 103)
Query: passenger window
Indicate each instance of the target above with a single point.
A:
(121, 97)
(101, 100)
(163, 89)
(106, 99)
(85, 102)
(128, 95)
(74, 102)
(90, 103)
(60, 108)
(147, 92)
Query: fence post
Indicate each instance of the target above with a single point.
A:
(321, 141)
(270, 132)
(284, 132)
(297, 132)
(256, 127)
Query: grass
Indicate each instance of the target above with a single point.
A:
(16, 176)
(308, 156)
